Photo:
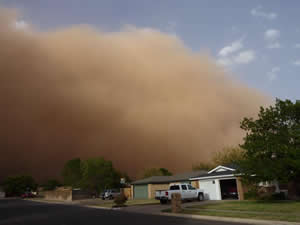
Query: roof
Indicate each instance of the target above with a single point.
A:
(229, 170)
(168, 179)
(215, 174)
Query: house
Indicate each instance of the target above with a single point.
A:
(145, 188)
(221, 183)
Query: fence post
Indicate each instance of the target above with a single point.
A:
(176, 202)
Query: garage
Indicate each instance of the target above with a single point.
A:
(229, 189)
(140, 191)
(210, 188)
(221, 183)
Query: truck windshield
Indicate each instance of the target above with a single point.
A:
(175, 187)
(191, 187)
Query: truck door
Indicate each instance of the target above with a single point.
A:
(192, 191)
(184, 192)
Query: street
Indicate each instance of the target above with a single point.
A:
(15, 211)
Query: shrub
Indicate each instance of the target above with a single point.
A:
(51, 185)
(17, 185)
(279, 196)
(120, 200)
(251, 195)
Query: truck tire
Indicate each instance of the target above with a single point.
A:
(163, 201)
(200, 197)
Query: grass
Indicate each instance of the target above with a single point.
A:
(110, 203)
(255, 206)
(245, 215)
(268, 210)
(132, 202)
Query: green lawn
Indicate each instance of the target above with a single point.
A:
(142, 202)
(269, 210)
(255, 206)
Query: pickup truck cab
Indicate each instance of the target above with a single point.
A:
(187, 192)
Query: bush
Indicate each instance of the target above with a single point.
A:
(279, 196)
(120, 200)
(17, 185)
(251, 195)
(51, 185)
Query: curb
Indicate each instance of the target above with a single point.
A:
(71, 203)
(231, 219)
(50, 202)
(99, 207)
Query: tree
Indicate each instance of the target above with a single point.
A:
(17, 185)
(72, 173)
(51, 185)
(99, 174)
(272, 145)
(156, 172)
(206, 166)
(228, 156)
(127, 180)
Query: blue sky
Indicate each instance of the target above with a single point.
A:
(259, 41)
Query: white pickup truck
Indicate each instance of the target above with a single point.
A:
(187, 191)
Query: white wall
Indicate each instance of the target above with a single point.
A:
(211, 188)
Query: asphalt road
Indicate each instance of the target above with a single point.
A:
(14, 211)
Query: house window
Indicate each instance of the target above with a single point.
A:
(213, 181)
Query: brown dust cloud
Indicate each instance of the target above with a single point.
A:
(137, 97)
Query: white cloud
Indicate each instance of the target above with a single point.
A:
(225, 61)
(297, 45)
(272, 35)
(232, 55)
(21, 24)
(245, 57)
(227, 50)
(297, 62)
(272, 75)
(274, 45)
(258, 12)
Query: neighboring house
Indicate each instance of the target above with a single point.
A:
(221, 183)
(145, 188)
(2, 193)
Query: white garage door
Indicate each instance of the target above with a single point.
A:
(211, 189)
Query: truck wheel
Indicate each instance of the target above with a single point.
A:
(200, 197)
(163, 201)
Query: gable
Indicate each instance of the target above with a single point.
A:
(220, 169)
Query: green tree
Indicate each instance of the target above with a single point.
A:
(17, 185)
(228, 156)
(51, 184)
(206, 166)
(126, 177)
(99, 174)
(156, 172)
(72, 173)
(272, 145)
